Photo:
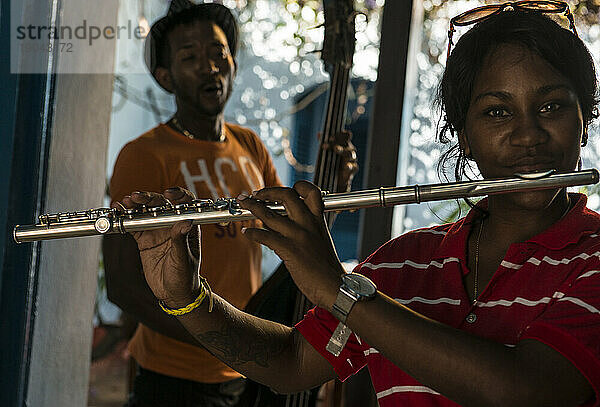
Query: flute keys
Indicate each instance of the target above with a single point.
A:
(100, 212)
(102, 225)
(199, 205)
(234, 207)
(43, 219)
(221, 204)
(156, 210)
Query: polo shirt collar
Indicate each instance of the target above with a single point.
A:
(454, 243)
(577, 222)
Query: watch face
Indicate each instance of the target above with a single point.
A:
(359, 284)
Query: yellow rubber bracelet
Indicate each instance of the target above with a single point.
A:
(188, 308)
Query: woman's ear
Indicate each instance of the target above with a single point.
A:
(463, 144)
(163, 77)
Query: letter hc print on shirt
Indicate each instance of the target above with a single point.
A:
(248, 169)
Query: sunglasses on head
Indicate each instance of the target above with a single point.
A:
(481, 13)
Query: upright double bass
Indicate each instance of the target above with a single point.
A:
(279, 299)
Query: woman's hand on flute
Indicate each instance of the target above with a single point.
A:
(301, 239)
(168, 269)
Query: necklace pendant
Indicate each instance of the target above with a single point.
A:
(189, 135)
(471, 318)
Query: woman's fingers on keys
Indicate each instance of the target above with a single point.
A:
(293, 203)
(312, 197)
(270, 218)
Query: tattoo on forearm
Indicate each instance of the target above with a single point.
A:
(233, 348)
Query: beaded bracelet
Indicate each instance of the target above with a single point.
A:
(204, 292)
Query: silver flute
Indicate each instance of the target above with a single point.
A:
(205, 211)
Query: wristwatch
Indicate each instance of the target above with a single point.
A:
(355, 287)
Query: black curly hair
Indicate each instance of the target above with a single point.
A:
(562, 49)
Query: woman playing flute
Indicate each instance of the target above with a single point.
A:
(499, 308)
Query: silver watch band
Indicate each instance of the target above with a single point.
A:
(355, 287)
(343, 305)
(338, 340)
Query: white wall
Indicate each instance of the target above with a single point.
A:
(60, 357)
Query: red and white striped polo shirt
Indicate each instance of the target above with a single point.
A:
(547, 288)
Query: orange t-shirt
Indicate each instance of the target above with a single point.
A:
(164, 158)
